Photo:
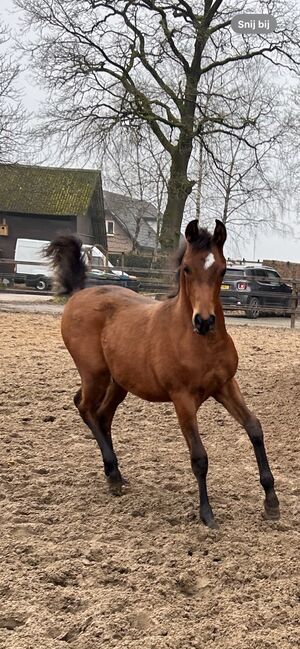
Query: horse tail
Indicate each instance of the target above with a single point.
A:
(67, 261)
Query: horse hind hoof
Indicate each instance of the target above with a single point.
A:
(117, 487)
(210, 522)
(271, 513)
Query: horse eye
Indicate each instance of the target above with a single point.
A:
(186, 270)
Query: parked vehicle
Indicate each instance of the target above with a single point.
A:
(33, 270)
(37, 271)
(255, 289)
(117, 278)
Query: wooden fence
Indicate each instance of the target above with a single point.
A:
(158, 283)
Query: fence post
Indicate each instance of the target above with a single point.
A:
(294, 304)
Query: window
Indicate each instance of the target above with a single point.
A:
(259, 274)
(110, 228)
(234, 273)
(273, 276)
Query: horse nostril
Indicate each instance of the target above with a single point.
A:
(211, 321)
(202, 326)
(197, 321)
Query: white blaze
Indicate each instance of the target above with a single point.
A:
(209, 261)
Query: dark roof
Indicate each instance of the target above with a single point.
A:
(46, 190)
(128, 211)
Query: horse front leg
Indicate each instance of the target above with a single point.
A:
(232, 399)
(186, 412)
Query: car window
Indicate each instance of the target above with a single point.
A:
(273, 276)
(259, 274)
(234, 273)
(250, 272)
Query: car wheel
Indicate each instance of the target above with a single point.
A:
(253, 310)
(41, 284)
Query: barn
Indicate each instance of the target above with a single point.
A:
(41, 202)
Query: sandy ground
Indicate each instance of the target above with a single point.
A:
(83, 569)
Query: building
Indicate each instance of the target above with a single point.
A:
(42, 202)
(131, 224)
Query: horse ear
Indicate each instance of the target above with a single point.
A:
(192, 231)
(220, 234)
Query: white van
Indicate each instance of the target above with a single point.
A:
(32, 269)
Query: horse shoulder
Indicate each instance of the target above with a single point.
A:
(228, 358)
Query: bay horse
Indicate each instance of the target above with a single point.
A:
(176, 350)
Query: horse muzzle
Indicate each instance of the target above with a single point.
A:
(203, 326)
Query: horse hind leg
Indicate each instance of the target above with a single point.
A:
(96, 402)
(115, 394)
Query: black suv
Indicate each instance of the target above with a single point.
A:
(255, 289)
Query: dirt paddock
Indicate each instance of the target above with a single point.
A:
(82, 569)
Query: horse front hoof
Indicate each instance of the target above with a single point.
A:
(212, 524)
(209, 520)
(117, 486)
(271, 513)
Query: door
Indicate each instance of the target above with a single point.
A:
(261, 288)
(279, 291)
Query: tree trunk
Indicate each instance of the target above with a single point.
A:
(179, 188)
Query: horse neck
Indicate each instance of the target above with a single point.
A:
(220, 320)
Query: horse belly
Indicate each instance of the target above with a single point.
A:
(129, 360)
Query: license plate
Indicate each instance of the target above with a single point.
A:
(225, 287)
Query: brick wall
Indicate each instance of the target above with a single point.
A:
(287, 269)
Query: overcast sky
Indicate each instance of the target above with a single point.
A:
(263, 246)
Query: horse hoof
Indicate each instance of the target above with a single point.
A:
(210, 522)
(114, 486)
(271, 513)
(117, 487)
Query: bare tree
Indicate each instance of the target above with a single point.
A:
(136, 165)
(247, 178)
(132, 62)
(12, 113)
(293, 153)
